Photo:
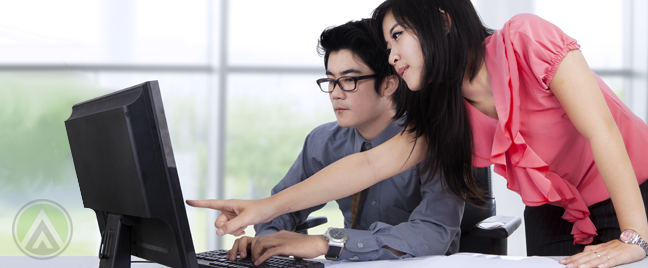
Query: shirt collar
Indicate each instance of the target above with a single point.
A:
(390, 131)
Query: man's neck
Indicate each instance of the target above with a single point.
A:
(372, 129)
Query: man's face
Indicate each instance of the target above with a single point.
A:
(359, 108)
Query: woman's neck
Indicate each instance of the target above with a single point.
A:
(479, 93)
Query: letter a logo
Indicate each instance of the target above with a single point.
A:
(42, 229)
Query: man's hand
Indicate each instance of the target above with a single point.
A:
(283, 243)
(241, 247)
(236, 214)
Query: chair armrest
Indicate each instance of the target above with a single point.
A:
(310, 223)
(496, 227)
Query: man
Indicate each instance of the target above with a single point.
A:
(398, 217)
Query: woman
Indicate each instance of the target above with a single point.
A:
(521, 98)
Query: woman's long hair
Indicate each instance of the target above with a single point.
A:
(452, 48)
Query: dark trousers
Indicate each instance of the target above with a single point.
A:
(547, 234)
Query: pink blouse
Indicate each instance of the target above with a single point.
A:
(534, 145)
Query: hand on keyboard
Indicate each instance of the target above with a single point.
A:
(283, 243)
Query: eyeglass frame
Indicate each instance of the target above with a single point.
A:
(337, 81)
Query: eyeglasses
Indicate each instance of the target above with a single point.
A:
(346, 83)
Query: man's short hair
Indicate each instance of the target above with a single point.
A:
(358, 37)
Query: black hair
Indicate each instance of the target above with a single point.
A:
(452, 48)
(357, 36)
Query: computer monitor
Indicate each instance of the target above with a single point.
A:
(127, 174)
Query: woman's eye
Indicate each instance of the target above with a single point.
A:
(389, 51)
(396, 35)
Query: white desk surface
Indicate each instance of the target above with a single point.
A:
(454, 261)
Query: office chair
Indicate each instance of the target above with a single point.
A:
(310, 223)
(481, 230)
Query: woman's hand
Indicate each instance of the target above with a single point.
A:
(237, 214)
(608, 254)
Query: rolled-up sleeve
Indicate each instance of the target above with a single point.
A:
(433, 228)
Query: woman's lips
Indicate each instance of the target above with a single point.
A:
(402, 70)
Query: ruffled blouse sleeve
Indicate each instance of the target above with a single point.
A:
(540, 44)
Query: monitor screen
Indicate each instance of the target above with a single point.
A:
(127, 174)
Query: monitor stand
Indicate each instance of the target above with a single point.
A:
(115, 251)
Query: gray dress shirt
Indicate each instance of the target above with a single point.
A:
(398, 212)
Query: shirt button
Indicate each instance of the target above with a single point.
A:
(373, 203)
(360, 245)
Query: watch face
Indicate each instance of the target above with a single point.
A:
(627, 235)
(336, 233)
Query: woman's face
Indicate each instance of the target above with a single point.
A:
(404, 52)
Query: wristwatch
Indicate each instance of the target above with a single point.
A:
(336, 238)
(629, 236)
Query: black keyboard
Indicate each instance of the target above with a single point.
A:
(217, 258)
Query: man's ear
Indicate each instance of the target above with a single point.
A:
(389, 85)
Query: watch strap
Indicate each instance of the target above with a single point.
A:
(333, 252)
(643, 244)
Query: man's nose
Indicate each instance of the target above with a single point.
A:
(337, 92)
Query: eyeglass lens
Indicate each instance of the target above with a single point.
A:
(347, 84)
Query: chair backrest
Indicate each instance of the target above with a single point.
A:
(476, 211)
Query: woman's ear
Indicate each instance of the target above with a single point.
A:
(447, 21)
(389, 85)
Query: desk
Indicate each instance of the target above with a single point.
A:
(461, 260)
(454, 261)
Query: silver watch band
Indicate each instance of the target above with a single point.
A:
(637, 240)
(643, 244)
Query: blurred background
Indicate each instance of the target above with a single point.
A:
(238, 84)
